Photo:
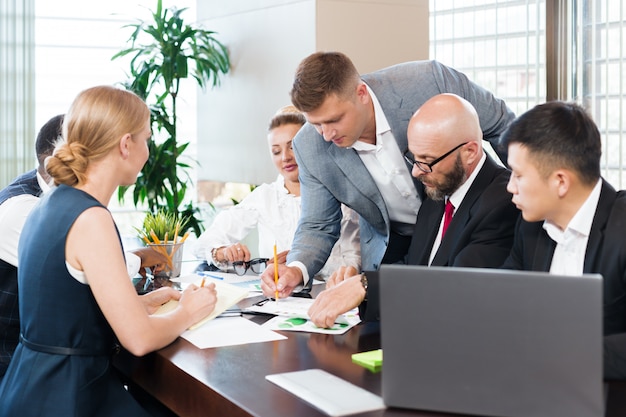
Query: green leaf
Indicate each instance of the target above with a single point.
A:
(172, 51)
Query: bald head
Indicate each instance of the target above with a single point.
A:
(443, 122)
(444, 134)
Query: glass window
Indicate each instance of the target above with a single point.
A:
(602, 85)
(74, 43)
(502, 46)
(499, 45)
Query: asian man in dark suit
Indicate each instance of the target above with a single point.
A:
(446, 154)
(574, 221)
(350, 152)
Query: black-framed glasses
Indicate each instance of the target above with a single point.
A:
(257, 265)
(427, 167)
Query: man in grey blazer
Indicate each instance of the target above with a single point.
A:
(350, 152)
(476, 227)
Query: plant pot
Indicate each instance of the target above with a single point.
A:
(174, 251)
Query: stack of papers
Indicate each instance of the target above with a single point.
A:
(292, 315)
(209, 333)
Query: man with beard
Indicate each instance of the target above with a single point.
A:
(476, 229)
(468, 219)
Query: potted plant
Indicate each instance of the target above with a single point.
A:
(161, 232)
(165, 51)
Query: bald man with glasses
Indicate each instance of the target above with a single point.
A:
(467, 219)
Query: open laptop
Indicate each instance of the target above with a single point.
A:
(491, 342)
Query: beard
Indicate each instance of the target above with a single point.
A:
(450, 183)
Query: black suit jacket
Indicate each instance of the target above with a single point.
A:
(481, 231)
(9, 309)
(480, 234)
(606, 254)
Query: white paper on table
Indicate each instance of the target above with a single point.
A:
(327, 392)
(299, 324)
(292, 307)
(229, 331)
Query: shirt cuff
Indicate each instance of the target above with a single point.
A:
(305, 275)
(133, 263)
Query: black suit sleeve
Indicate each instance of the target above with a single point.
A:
(615, 356)
(369, 309)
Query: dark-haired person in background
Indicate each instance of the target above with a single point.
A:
(16, 202)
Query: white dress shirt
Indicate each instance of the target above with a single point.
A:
(275, 212)
(387, 166)
(571, 243)
(13, 214)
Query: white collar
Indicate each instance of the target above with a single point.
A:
(582, 220)
(457, 197)
(382, 125)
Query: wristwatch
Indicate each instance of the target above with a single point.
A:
(364, 281)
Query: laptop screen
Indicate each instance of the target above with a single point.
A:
(491, 342)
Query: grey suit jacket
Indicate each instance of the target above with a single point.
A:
(482, 229)
(330, 175)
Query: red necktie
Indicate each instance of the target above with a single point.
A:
(447, 217)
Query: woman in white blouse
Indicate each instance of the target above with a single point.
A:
(274, 209)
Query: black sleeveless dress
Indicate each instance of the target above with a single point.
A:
(61, 366)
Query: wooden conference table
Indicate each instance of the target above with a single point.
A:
(230, 381)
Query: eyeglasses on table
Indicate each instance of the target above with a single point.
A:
(257, 265)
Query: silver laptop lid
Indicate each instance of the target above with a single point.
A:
(491, 342)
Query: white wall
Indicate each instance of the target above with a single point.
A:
(267, 39)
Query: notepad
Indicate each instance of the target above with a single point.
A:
(227, 296)
(328, 393)
(372, 360)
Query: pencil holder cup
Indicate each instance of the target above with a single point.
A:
(174, 253)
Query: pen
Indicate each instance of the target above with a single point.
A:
(231, 312)
(260, 303)
(206, 274)
(275, 272)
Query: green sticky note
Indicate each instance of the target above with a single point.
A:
(372, 360)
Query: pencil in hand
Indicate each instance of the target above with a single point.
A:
(275, 272)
